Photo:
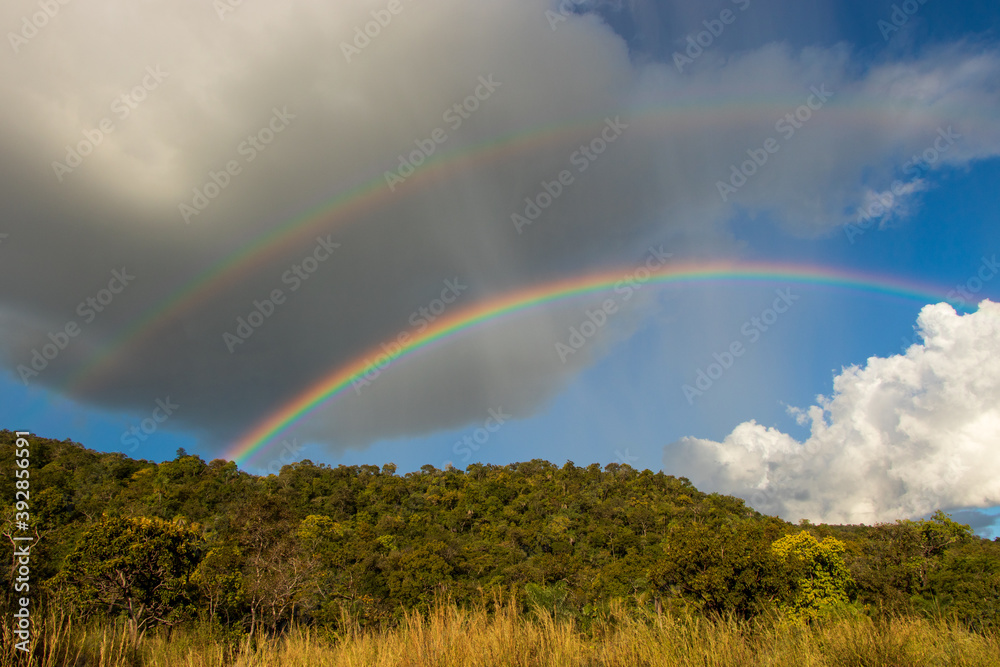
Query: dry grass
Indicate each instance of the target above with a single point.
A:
(452, 637)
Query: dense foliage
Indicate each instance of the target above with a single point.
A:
(156, 544)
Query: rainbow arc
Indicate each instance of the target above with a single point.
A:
(333, 385)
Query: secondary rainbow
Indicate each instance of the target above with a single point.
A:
(336, 211)
(335, 383)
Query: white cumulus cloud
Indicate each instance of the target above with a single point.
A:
(900, 436)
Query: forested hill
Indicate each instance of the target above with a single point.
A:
(185, 537)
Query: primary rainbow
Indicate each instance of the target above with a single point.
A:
(335, 383)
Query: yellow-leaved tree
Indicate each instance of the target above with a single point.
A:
(823, 581)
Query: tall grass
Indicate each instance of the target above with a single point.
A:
(448, 636)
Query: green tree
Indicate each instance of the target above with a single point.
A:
(966, 585)
(727, 568)
(136, 566)
(220, 580)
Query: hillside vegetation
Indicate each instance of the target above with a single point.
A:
(322, 559)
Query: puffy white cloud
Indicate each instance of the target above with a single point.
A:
(900, 437)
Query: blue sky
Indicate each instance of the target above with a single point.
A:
(623, 400)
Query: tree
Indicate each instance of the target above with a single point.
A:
(137, 566)
(220, 581)
(721, 569)
(965, 584)
(822, 581)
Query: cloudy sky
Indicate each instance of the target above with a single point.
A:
(208, 208)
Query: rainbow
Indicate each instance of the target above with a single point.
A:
(335, 383)
(340, 210)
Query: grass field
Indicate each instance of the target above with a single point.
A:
(451, 637)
